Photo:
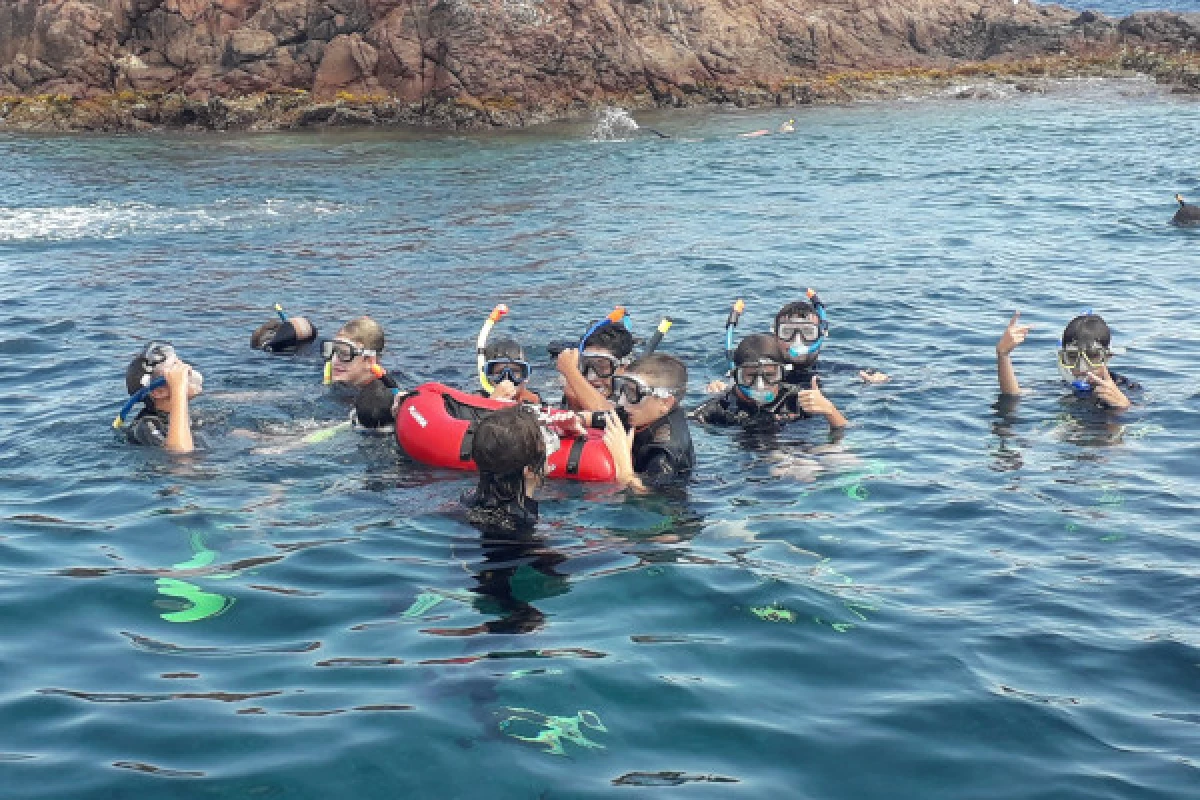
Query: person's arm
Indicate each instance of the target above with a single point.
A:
(620, 444)
(1106, 390)
(586, 395)
(712, 412)
(1013, 336)
(813, 402)
(179, 428)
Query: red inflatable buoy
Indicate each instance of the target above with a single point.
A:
(435, 425)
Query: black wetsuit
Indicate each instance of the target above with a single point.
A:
(662, 451)
(149, 428)
(373, 406)
(730, 409)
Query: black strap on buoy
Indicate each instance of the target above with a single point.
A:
(468, 442)
(575, 455)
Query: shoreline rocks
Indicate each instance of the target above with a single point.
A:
(132, 65)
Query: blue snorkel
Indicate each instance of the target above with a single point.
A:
(735, 314)
(279, 310)
(822, 328)
(136, 398)
(617, 315)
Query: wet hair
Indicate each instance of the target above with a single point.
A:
(504, 348)
(758, 346)
(365, 331)
(662, 371)
(507, 441)
(615, 338)
(1087, 329)
(800, 308)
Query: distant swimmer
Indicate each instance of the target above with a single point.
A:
(1187, 214)
(787, 127)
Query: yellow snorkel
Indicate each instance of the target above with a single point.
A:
(481, 344)
(657, 338)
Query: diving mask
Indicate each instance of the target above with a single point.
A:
(806, 330)
(344, 350)
(759, 381)
(507, 369)
(598, 365)
(1074, 362)
(629, 390)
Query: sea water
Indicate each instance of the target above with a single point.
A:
(960, 598)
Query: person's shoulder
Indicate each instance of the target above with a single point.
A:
(148, 428)
(1124, 381)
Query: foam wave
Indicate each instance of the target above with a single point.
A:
(120, 220)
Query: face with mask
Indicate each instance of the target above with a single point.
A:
(800, 336)
(758, 366)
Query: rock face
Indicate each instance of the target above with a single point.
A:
(512, 61)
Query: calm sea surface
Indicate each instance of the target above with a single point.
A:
(959, 600)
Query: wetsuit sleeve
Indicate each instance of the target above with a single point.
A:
(713, 412)
(148, 430)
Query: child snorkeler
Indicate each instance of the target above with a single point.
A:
(510, 451)
(165, 384)
(1083, 357)
(760, 396)
(507, 372)
(588, 370)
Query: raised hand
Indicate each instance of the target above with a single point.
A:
(1013, 336)
(813, 402)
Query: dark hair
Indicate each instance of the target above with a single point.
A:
(265, 333)
(614, 337)
(758, 346)
(662, 372)
(135, 372)
(507, 441)
(504, 348)
(800, 308)
(1087, 329)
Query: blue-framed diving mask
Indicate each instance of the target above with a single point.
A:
(759, 380)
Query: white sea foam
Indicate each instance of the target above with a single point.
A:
(120, 220)
(614, 124)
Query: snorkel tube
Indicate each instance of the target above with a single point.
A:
(481, 343)
(384, 378)
(822, 327)
(657, 338)
(279, 310)
(735, 315)
(136, 398)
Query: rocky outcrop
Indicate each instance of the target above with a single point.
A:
(463, 62)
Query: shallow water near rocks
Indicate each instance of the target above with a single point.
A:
(959, 599)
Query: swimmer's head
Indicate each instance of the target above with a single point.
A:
(799, 328)
(508, 442)
(503, 348)
(354, 352)
(278, 336)
(152, 363)
(1086, 345)
(650, 388)
(504, 360)
(758, 364)
(604, 354)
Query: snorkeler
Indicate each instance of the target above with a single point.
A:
(588, 369)
(1083, 357)
(507, 372)
(510, 451)
(166, 384)
(1187, 215)
(648, 430)
(284, 334)
(352, 363)
(787, 127)
(760, 396)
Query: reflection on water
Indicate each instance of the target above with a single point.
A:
(956, 584)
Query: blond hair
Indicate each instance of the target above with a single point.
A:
(365, 331)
